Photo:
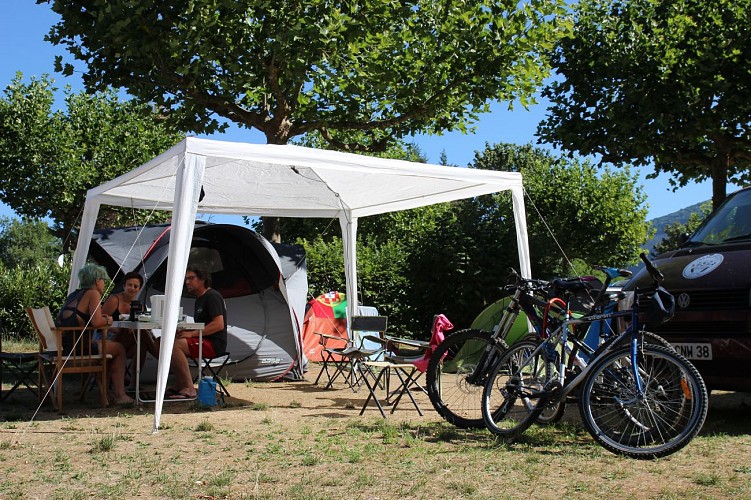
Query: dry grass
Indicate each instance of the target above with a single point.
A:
(296, 440)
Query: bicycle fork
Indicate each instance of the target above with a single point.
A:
(492, 351)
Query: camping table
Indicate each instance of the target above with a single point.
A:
(150, 325)
(405, 373)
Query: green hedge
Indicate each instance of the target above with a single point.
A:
(34, 286)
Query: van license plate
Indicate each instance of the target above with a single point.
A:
(700, 352)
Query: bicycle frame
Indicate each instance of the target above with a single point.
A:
(523, 299)
(560, 337)
(632, 330)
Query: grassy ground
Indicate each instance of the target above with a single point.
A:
(297, 440)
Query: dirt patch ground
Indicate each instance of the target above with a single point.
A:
(298, 440)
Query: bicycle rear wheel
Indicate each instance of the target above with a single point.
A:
(660, 420)
(554, 413)
(513, 397)
(456, 374)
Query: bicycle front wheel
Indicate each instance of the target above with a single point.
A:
(660, 419)
(514, 394)
(456, 375)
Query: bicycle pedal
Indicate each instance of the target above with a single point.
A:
(553, 390)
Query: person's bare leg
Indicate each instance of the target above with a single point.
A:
(131, 355)
(181, 369)
(148, 344)
(127, 339)
(117, 372)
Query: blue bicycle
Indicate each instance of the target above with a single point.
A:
(635, 398)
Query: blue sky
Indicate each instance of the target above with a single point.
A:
(22, 48)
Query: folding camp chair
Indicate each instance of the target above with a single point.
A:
(405, 358)
(331, 349)
(215, 366)
(347, 360)
(22, 367)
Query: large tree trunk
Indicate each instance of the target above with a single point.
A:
(719, 171)
(276, 133)
(272, 229)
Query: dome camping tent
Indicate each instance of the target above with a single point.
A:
(264, 286)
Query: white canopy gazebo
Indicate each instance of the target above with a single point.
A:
(216, 177)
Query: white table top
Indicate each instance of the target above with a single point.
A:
(151, 325)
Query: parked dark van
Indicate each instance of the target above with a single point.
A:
(710, 277)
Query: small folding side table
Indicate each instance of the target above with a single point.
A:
(405, 374)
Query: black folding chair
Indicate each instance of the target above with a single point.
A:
(347, 359)
(215, 366)
(22, 368)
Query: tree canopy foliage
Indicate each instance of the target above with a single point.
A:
(574, 211)
(26, 242)
(50, 158)
(384, 69)
(29, 273)
(652, 81)
(452, 258)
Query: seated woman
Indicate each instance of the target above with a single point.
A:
(82, 308)
(117, 305)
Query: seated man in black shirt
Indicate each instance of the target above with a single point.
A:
(210, 310)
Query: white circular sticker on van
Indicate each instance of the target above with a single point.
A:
(702, 266)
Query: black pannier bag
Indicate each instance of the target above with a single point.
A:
(661, 307)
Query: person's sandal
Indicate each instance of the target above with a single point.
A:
(180, 396)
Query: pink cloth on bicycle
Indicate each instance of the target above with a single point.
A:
(440, 325)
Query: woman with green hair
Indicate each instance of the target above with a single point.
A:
(83, 308)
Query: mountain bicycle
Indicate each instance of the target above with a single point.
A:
(459, 366)
(640, 400)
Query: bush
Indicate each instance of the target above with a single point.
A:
(325, 261)
(381, 276)
(33, 286)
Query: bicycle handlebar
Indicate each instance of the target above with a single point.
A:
(520, 281)
(657, 276)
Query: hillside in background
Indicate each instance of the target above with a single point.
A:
(660, 223)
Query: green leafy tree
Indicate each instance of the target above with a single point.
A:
(384, 68)
(649, 81)
(29, 273)
(575, 214)
(574, 211)
(362, 74)
(26, 242)
(44, 283)
(676, 232)
(49, 159)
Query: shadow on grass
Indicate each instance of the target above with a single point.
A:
(23, 405)
(729, 414)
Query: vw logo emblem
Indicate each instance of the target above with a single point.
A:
(683, 300)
